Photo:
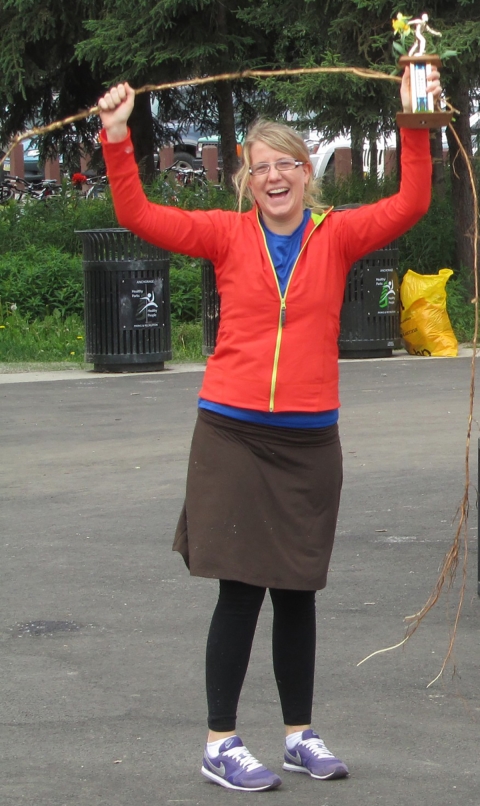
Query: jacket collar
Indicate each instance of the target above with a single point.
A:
(316, 219)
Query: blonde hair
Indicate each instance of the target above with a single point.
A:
(281, 138)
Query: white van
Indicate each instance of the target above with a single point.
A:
(322, 154)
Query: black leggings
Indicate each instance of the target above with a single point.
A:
(230, 642)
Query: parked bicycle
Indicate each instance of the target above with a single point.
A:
(17, 188)
(194, 178)
(6, 192)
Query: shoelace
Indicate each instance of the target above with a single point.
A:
(243, 757)
(317, 747)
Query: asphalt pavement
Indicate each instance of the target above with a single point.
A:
(103, 631)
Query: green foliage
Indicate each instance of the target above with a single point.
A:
(430, 244)
(460, 309)
(49, 339)
(40, 77)
(185, 288)
(152, 42)
(40, 281)
(52, 223)
(355, 190)
(206, 196)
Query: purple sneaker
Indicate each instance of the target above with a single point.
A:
(236, 768)
(311, 756)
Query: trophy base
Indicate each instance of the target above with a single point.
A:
(423, 120)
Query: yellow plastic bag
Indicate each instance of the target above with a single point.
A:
(424, 323)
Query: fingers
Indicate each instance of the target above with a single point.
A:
(433, 84)
(115, 96)
(405, 90)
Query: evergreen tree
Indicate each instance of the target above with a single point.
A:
(156, 42)
(41, 79)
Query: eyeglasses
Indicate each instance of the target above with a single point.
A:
(280, 165)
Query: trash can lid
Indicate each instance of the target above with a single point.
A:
(347, 207)
(96, 231)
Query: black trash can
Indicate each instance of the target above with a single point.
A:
(210, 308)
(127, 302)
(370, 316)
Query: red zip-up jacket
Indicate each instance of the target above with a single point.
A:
(274, 353)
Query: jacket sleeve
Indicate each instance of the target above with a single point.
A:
(196, 233)
(373, 226)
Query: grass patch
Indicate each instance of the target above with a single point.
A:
(49, 339)
(187, 340)
(53, 340)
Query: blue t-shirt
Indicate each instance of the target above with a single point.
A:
(284, 249)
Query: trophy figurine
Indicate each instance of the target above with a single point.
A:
(424, 114)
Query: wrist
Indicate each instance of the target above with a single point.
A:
(116, 133)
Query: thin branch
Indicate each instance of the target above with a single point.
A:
(361, 72)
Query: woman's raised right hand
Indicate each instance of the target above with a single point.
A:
(115, 109)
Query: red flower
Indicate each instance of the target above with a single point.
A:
(79, 179)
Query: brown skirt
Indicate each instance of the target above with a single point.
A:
(261, 503)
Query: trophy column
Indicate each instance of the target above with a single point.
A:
(423, 114)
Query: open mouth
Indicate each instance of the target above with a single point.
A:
(278, 193)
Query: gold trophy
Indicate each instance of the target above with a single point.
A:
(424, 114)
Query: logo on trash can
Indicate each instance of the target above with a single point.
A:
(140, 303)
(149, 309)
(387, 294)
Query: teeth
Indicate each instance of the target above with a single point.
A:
(277, 191)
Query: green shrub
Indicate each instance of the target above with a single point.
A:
(38, 281)
(430, 244)
(52, 222)
(460, 309)
(354, 190)
(208, 197)
(185, 288)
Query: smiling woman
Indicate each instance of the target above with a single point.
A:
(279, 192)
(282, 144)
(265, 468)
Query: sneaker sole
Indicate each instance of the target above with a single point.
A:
(222, 782)
(335, 774)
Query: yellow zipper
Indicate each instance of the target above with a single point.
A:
(282, 319)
